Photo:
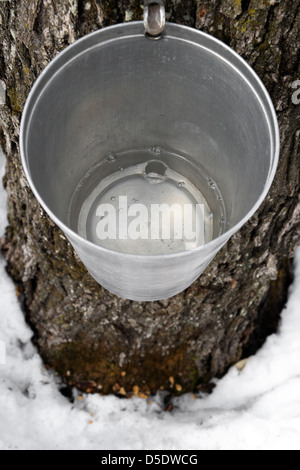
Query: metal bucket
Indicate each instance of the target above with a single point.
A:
(181, 120)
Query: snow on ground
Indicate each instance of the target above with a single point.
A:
(256, 409)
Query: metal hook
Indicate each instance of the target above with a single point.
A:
(154, 18)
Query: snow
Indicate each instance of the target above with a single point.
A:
(257, 408)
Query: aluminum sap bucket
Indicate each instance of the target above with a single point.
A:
(179, 119)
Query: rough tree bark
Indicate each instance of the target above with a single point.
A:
(99, 342)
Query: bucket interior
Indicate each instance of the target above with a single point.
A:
(155, 121)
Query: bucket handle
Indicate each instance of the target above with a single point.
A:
(154, 18)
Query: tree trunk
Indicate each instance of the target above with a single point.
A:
(95, 340)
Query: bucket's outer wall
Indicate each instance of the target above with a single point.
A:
(97, 341)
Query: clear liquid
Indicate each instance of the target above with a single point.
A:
(147, 177)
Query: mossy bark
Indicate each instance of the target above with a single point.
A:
(99, 342)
